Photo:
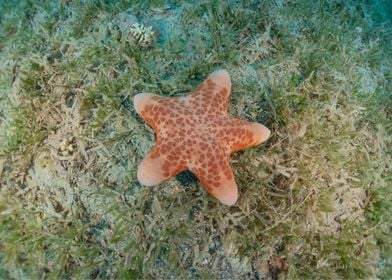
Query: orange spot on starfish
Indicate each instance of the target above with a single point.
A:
(196, 133)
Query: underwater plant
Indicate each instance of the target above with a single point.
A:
(143, 36)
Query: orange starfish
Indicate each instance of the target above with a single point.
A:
(196, 133)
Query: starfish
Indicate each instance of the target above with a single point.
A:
(196, 133)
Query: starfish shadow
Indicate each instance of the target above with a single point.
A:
(186, 178)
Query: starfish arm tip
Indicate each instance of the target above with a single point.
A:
(261, 133)
(148, 175)
(229, 199)
(140, 100)
(222, 77)
(227, 192)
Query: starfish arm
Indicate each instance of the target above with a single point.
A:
(161, 163)
(212, 96)
(142, 101)
(214, 171)
(160, 111)
(239, 134)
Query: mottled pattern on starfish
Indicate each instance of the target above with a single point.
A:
(196, 133)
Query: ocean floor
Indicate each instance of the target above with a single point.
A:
(315, 199)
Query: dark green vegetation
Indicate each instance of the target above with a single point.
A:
(315, 200)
